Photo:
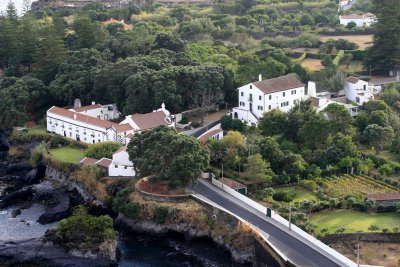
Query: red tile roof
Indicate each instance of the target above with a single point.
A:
(111, 21)
(209, 134)
(279, 84)
(81, 117)
(231, 183)
(126, 127)
(89, 107)
(352, 79)
(150, 120)
(88, 161)
(104, 162)
(385, 196)
(352, 16)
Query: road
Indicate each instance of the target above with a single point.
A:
(350, 5)
(297, 249)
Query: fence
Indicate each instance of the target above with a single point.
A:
(285, 223)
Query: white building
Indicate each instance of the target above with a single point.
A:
(119, 165)
(358, 91)
(364, 20)
(215, 133)
(87, 124)
(103, 112)
(259, 97)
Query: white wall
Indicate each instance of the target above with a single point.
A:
(71, 128)
(353, 91)
(120, 170)
(122, 158)
(358, 22)
(290, 97)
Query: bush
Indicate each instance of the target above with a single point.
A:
(340, 230)
(102, 150)
(373, 227)
(161, 214)
(58, 141)
(37, 155)
(336, 62)
(382, 209)
(283, 196)
(184, 120)
(131, 210)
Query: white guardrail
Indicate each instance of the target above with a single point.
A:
(284, 222)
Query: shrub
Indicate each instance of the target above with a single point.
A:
(58, 141)
(386, 169)
(161, 214)
(395, 229)
(184, 120)
(102, 150)
(373, 227)
(131, 210)
(382, 209)
(37, 155)
(283, 196)
(340, 230)
(385, 230)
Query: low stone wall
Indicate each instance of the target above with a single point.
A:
(366, 237)
(160, 198)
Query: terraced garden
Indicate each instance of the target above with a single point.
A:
(355, 185)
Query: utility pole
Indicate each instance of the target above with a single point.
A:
(222, 173)
(358, 253)
(290, 216)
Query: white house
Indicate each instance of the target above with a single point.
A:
(364, 20)
(104, 112)
(358, 91)
(87, 124)
(121, 165)
(259, 97)
(343, 3)
(215, 133)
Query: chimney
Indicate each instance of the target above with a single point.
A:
(93, 103)
(77, 103)
(75, 116)
(260, 77)
(311, 89)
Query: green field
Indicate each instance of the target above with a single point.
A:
(68, 154)
(354, 221)
(38, 130)
(301, 193)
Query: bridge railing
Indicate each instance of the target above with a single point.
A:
(285, 223)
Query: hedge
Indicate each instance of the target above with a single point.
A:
(336, 61)
(357, 54)
(300, 59)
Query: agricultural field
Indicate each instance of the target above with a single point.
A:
(363, 41)
(354, 221)
(301, 193)
(357, 186)
(303, 49)
(312, 64)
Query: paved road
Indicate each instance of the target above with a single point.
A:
(300, 253)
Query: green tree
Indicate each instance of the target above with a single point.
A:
(378, 117)
(375, 105)
(217, 150)
(268, 192)
(257, 169)
(327, 61)
(339, 117)
(102, 150)
(272, 122)
(271, 152)
(85, 31)
(351, 25)
(346, 162)
(307, 19)
(337, 82)
(378, 136)
(384, 55)
(390, 95)
(165, 155)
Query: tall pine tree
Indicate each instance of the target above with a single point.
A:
(384, 55)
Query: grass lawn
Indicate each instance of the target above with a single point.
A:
(312, 64)
(37, 130)
(355, 66)
(68, 154)
(301, 193)
(354, 221)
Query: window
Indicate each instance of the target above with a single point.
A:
(251, 97)
(241, 93)
(260, 108)
(251, 86)
(269, 107)
(285, 104)
(259, 97)
(116, 166)
(126, 167)
(270, 97)
(365, 87)
(293, 92)
(98, 117)
(283, 94)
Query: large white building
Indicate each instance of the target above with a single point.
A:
(364, 20)
(358, 91)
(90, 124)
(259, 97)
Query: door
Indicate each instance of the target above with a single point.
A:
(65, 134)
(78, 138)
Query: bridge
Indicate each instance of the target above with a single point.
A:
(290, 245)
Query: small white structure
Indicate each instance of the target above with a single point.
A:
(121, 165)
(215, 133)
(343, 3)
(259, 97)
(358, 91)
(364, 20)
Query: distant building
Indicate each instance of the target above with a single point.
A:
(358, 91)
(364, 20)
(259, 97)
(241, 188)
(113, 21)
(385, 199)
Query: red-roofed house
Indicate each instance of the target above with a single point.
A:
(241, 188)
(112, 21)
(259, 97)
(103, 112)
